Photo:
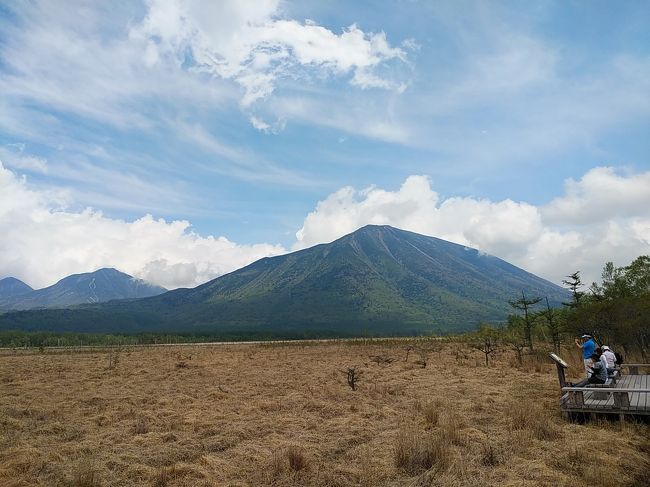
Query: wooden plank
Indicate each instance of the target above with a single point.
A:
(609, 411)
(608, 390)
(624, 382)
(630, 395)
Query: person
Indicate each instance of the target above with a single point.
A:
(610, 358)
(601, 357)
(588, 347)
(598, 370)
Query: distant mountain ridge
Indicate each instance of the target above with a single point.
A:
(377, 280)
(11, 287)
(93, 287)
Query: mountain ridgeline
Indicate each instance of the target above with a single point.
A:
(378, 281)
(10, 287)
(92, 287)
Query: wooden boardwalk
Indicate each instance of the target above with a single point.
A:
(630, 395)
(627, 394)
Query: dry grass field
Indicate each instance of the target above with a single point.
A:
(281, 415)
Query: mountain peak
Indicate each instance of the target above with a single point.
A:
(10, 287)
(104, 271)
(375, 228)
(102, 285)
(378, 279)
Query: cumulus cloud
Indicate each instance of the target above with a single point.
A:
(43, 242)
(593, 222)
(599, 222)
(600, 193)
(247, 42)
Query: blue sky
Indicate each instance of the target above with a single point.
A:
(248, 121)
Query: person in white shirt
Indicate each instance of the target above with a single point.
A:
(610, 358)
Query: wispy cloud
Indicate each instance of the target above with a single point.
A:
(246, 41)
(13, 155)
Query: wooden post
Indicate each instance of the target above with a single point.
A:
(577, 398)
(621, 400)
(634, 370)
(560, 375)
(560, 365)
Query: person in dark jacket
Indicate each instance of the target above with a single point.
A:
(598, 370)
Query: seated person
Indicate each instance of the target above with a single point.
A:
(602, 358)
(610, 358)
(598, 370)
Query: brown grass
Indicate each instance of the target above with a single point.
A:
(284, 415)
(416, 451)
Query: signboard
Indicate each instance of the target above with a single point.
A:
(558, 360)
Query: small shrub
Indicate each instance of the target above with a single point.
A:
(86, 476)
(451, 428)
(296, 457)
(164, 475)
(423, 358)
(527, 415)
(141, 426)
(415, 452)
(353, 377)
(490, 455)
(113, 358)
(431, 412)
(382, 359)
(292, 457)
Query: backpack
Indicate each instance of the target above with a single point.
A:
(619, 358)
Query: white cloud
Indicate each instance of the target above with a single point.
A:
(260, 124)
(13, 155)
(266, 127)
(247, 42)
(518, 232)
(356, 118)
(600, 194)
(43, 242)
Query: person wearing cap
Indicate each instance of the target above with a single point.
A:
(610, 358)
(588, 347)
(598, 370)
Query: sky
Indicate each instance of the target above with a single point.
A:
(178, 140)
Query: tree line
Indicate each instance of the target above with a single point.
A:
(615, 311)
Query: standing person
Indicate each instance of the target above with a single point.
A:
(610, 357)
(588, 347)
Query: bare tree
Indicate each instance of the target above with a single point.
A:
(353, 377)
(424, 357)
(409, 349)
(524, 305)
(554, 326)
(487, 342)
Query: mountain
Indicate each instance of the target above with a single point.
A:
(11, 287)
(379, 280)
(93, 287)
